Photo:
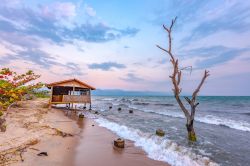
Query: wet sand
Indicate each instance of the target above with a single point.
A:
(96, 148)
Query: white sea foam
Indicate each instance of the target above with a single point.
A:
(210, 119)
(239, 125)
(158, 148)
(107, 99)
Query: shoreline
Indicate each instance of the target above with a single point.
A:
(99, 142)
(32, 128)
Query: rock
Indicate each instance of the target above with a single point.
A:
(63, 134)
(110, 107)
(96, 112)
(93, 125)
(2, 125)
(119, 143)
(119, 109)
(3, 128)
(160, 132)
(131, 111)
(81, 116)
(42, 154)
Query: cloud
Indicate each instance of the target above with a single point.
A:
(73, 69)
(47, 22)
(11, 3)
(99, 32)
(105, 66)
(62, 10)
(29, 28)
(184, 10)
(214, 55)
(34, 55)
(131, 77)
(90, 11)
(232, 17)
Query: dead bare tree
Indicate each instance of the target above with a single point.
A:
(176, 79)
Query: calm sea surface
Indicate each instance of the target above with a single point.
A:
(222, 126)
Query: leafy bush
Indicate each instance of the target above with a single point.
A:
(13, 86)
(41, 94)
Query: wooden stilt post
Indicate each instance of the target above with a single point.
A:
(73, 101)
(90, 99)
(51, 97)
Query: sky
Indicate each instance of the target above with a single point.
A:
(111, 44)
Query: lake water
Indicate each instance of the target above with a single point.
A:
(222, 126)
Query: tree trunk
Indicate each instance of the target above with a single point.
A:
(191, 132)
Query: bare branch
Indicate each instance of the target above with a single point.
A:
(206, 74)
(196, 105)
(172, 24)
(188, 100)
(179, 78)
(165, 28)
(162, 48)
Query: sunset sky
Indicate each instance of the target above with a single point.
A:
(111, 44)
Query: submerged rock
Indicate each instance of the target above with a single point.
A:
(81, 116)
(120, 143)
(119, 109)
(160, 132)
(131, 111)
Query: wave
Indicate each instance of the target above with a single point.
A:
(141, 103)
(238, 125)
(158, 148)
(106, 99)
(210, 119)
(248, 113)
(164, 104)
(157, 104)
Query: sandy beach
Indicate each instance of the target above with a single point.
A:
(32, 128)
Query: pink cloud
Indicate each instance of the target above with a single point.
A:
(59, 10)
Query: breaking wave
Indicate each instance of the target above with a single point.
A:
(158, 148)
(210, 119)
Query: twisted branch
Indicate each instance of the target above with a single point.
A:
(177, 75)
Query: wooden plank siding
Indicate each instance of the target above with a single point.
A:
(71, 99)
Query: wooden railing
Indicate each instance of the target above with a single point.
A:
(71, 98)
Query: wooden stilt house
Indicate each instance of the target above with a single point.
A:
(69, 92)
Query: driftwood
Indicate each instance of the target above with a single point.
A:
(14, 155)
(119, 143)
(176, 80)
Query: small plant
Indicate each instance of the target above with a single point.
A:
(41, 94)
